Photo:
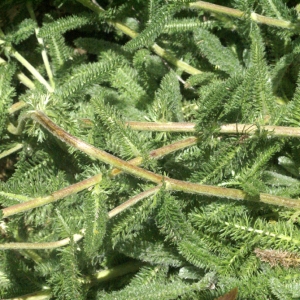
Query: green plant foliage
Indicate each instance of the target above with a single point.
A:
(149, 151)
(224, 59)
(159, 16)
(128, 143)
(63, 25)
(59, 52)
(66, 282)
(125, 80)
(6, 93)
(84, 75)
(24, 30)
(167, 101)
(96, 218)
(158, 287)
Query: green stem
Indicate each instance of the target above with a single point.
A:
(40, 295)
(157, 153)
(40, 201)
(173, 60)
(41, 42)
(132, 201)
(29, 253)
(25, 63)
(236, 13)
(171, 184)
(157, 49)
(114, 272)
(169, 127)
(50, 245)
(92, 151)
(160, 152)
(22, 77)
(101, 276)
(17, 106)
(26, 81)
(41, 246)
(17, 130)
(279, 131)
(13, 149)
(28, 203)
(32, 70)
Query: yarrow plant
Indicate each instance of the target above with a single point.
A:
(155, 149)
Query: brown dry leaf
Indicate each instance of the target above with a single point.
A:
(277, 257)
(232, 295)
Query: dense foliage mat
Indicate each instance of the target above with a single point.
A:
(155, 149)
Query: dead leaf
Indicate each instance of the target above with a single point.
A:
(232, 295)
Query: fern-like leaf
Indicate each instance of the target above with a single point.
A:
(162, 289)
(127, 142)
(154, 29)
(84, 75)
(96, 217)
(6, 93)
(125, 80)
(63, 25)
(167, 103)
(66, 283)
(220, 56)
(24, 30)
(59, 52)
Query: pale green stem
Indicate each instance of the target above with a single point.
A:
(279, 131)
(22, 77)
(36, 202)
(26, 64)
(171, 184)
(173, 60)
(157, 49)
(17, 130)
(51, 245)
(101, 276)
(40, 201)
(92, 151)
(168, 127)
(114, 272)
(240, 14)
(13, 149)
(160, 152)
(31, 69)
(40, 295)
(157, 153)
(29, 253)
(17, 106)
(132, 201)
(26, 81)
(41, 42)
(42, 246)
